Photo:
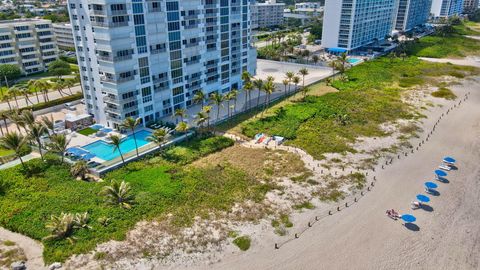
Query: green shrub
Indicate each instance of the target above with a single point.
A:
(242, 242)
(189, 151)
(445, 93)
(8, 243)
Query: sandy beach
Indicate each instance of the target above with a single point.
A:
(447, 235)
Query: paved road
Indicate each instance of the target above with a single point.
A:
(51, 95)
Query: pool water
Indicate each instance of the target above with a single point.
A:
(353, 60)
(104, 150)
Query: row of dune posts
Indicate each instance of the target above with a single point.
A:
(371, 180)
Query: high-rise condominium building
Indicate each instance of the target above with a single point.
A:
(470, 5)
(64, 35)
(446, 8)
(412, 13)
(27, 43)
(350, 24)
(268, 14)
(148, 58)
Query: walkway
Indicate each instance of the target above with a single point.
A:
(33, 249)
(16, 162)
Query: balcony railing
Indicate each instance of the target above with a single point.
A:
(109, 24)
(119, 12)
(99, 12)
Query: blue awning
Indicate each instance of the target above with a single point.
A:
(337, 50)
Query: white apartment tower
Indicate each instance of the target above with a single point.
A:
(446, 8)
(412, 13)
(350, 24)
(147, 58)
(27, 43)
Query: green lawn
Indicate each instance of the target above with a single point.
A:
(87, 131)
(160, 187)
(328, 123)
(5, 152)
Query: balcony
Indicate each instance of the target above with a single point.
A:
(190, 45)
(154, 9)
(192, 62)
(155, 51)
(190, 17)
(109, 24)
(116, 80)
(210, 6)
(113, 110)
(191, 26)
(119, 12)
(211, 23)
(100, 12)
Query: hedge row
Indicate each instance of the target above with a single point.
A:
(51, 103)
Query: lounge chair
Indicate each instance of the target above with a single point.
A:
(445, 167)
(415, 205)
(429, 191)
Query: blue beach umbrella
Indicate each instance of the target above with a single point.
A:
(449, 160)
(430, 185)
(423, 198)
(440, 173)
(408, 218)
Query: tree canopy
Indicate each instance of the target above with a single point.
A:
(11, 72)
(59, 68)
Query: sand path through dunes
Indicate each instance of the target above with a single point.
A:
(447, 235)
(33, 249)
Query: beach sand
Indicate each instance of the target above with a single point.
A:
(446, 234)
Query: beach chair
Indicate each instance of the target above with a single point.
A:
(415, 205)
(429, 191)
(444, 167)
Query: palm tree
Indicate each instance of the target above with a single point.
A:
(118, 194)
(199, 97)
(79, 169)
(182, 127)
(115, 140)
(296, 81)
(247, 88)
(14, 91)
(258, 83)
(303, 72)
(130, 123)
(159, 137)
(44, 87)
(207, 110)
(23, 90)
(180, 113)
(15, 117)
(289, 75)
(27, 118)
(35, 134)
(228, 98)
(202, 117)
(217, 99)
(234, 95)
(32, 85)
(246, 77)
(69, 83)
(58, 86)
(5, 96)
(58, 144)
(14, 141)
(269, 88)
(333, 65)
(48, 123)
(285, 84)
(305, 91)
(63, 226)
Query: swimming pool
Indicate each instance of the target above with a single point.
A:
(104, 150)
(353, 60)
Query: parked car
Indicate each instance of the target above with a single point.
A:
(70, 106)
